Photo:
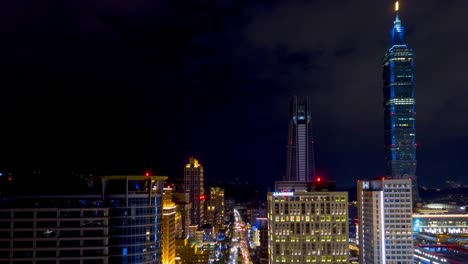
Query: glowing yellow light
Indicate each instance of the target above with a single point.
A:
(397, 6)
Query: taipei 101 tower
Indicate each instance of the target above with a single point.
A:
(399, 108)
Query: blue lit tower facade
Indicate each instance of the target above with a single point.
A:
(399, 108)
(300, 148)
(135, 217)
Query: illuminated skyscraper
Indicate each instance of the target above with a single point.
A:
(385, 221)
(215, 206)
(306, 225)
(399, 108)
(169, 232)
(193, 183)
(300, 148)
(307, 220)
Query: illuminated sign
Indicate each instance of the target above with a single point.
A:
(365, 185)
(283, 193)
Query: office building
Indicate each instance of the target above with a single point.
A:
(169, 232)
(195, 233)
(261, 240)
(300, 146)
(399, 108)
(182, 201)
(385, 221)
(194, 184)
(215, 206)
(118, 222)
(307, 226)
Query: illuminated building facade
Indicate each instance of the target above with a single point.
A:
(261, 246)
(188, 253)
(168, 228)
(195, 233)
(307, 226)
(41, 230)
(194, 184)
(134, 217)
(300, 147)
(182, 201)
(118, 222)
(385, 221)
(436, 254)
(215, 206)
(440, 223)
(399, 108)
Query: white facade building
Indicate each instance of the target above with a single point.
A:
(385, 221)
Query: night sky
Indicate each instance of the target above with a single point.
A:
(124, 86)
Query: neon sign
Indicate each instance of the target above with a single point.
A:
(283, 194)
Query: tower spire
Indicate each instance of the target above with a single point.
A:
(398, 30)
(397, 9)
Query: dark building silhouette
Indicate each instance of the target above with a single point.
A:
(194, 184)
(300, 147)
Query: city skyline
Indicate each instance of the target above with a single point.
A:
(136, 86)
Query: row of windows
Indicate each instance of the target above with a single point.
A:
(397, 226)
(399, 220)
(47, 224)
(133, 249)
(402, 238)
(125, 221)
(307, 218)
(139, 230)
(42, 224)
(67, 261)
(397, 190)
(397, 185)
(308, 229)
(53, 253)
(303, 206)
(54, 234)
(397, 211)
(305, 247)
(54, 214)
(322, 228)
(299, 259)
(314, 198)
(400, 244)
(131, 240)
(393, 195)
(389, 203)
(410, 256)
(133, 211)
(53, 243)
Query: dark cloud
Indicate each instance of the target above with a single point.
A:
(144, 84)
